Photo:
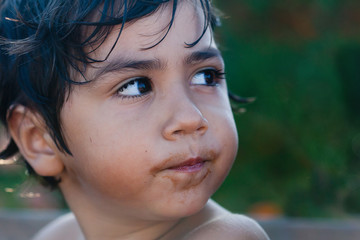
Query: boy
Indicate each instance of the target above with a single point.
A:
(123, 106)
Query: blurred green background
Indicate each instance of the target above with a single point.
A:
(299, 142)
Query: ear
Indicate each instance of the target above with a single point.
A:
(34, 142)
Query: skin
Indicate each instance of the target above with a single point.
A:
(135, 140)
(212, 223)
(125, 178)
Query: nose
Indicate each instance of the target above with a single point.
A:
(184, 119)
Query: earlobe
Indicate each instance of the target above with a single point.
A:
(34, 142)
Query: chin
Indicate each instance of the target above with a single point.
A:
(185, 208)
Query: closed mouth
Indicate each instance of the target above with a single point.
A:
(190, 165)
(181, 163)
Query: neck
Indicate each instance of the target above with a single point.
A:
(110, 224)
(145, 230)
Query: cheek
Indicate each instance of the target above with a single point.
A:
(107, 163)
(231, 136)
(109, 150)
(113, 179)
(225, 128)
(228, 141)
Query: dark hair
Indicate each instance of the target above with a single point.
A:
(39, 43)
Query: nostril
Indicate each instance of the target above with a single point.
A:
(177, 132)
(202, 129)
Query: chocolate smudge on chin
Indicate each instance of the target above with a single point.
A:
(189, 183)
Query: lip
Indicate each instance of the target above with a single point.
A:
(183, 163)
(190, 165)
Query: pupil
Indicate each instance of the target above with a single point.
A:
(143, 86)
(208, 77)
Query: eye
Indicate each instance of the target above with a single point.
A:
(135, 88)
(208, 77)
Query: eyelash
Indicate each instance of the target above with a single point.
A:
(217, 75)
(133, 81)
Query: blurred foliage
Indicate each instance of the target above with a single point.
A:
(18, 190)
(299, 143)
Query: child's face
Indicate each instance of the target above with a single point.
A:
(147, 113)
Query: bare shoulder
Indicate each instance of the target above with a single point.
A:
(64, 227)
(231, 227)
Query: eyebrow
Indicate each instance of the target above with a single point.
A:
(199, 56)
(120, 64)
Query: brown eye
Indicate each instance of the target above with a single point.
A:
(207, 77)
(135, 87)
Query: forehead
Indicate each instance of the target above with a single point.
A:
(139, 36)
